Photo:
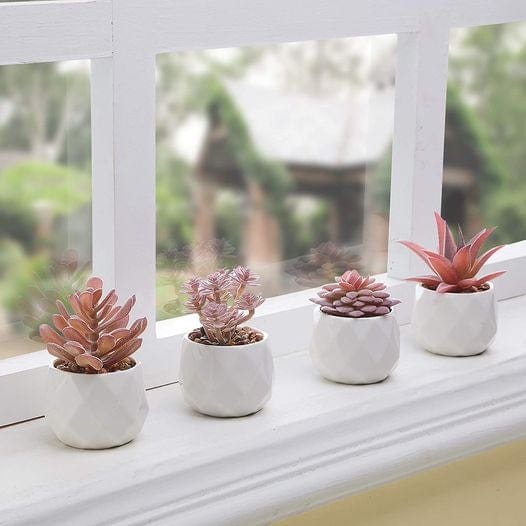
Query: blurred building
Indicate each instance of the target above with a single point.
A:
(330, 149)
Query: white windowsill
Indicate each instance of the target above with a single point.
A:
(314, 442)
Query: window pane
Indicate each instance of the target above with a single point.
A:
(45, 194)
(485, 157)
(277, 157)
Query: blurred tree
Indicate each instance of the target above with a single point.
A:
(38, 185)
(174, 214)
(489, 70)
(17, 224)
(181, 78)
(43, 104)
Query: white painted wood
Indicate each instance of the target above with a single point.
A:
(482, 12)
(314, 442)
(52, 31)
(22, 386)
(200, 24)
(129, 33)
(418, 140)
(102, 162)
(134, 176)
(512, 259)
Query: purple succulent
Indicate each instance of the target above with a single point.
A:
(249, 301)
(244, 276)
(221, 302)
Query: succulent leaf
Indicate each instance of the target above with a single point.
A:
(354, 296)
(454, 266)
(94, 339)
(221, 302)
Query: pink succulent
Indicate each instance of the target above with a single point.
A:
(249, 301)
(216, 284)
(355, 296)
(221, 302)
(91, 334)
(454, 267)
(244, 276)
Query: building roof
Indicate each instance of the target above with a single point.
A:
(318, 131)
(306, 130)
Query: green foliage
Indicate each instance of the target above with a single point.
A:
(48, 102)
(31, 287)
(471, 137)
(509, 210)
(477, 151)
(304, 225)
(17, 223)
(230, 213)
(11, 256)
(269, 174)
(59, 189)
(170, 300)
(490, 72)
(174, 209)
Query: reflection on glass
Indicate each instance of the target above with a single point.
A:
(271, 157)
(485, 157)
(45, 195)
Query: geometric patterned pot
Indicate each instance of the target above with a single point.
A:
(96, 411)
(355, 350)
(226, 381)
(454, 324)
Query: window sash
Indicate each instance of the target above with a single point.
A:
(123, 37)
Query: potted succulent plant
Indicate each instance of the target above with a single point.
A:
(95, 395)
(356, 338)
(455, 312)
(226, 366)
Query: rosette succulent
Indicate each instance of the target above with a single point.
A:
(455, 266)
(354, 296)
(223, 304)
(90, 335)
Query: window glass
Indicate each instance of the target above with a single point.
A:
(485, 157)
(275, 157)
(45, 194)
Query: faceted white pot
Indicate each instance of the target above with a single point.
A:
(226, 381)
(355, 350)
(96, 411)
(455, 324)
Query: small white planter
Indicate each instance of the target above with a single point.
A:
(226, 381)
(96, 411)
(454, 324)
(355, 350)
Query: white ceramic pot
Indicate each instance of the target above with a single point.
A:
(96, 411)
(226, 381)
(454, 324)
(355, 350)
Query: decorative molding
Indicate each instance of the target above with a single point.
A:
(52, 31)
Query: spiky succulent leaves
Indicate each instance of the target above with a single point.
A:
(92, 335)
(454, 267)
(355, 296)
(222, 302)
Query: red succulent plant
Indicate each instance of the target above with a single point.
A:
(91, 335)
(455, 265)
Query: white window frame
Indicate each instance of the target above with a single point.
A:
(122, 39)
